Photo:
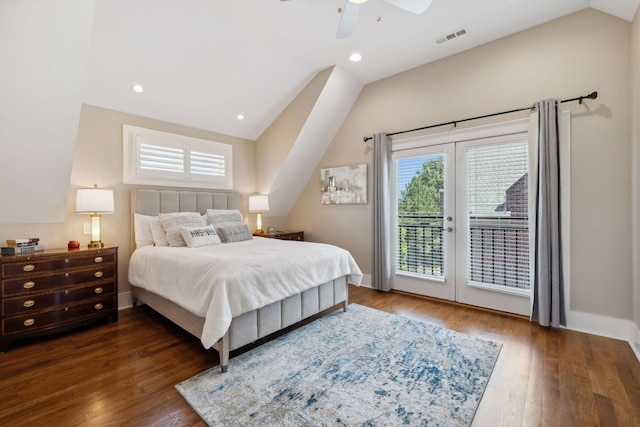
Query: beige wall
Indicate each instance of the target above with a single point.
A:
(565, 58)
(98, 160)
(635, 78)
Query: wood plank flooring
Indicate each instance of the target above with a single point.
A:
(123, 374)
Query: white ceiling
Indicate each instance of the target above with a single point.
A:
(202, 62)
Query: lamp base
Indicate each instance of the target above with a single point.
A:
(93, 245)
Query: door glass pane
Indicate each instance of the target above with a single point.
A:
(420, 215)
(497, 200)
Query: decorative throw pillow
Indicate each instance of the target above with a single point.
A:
(230, 233)
(200, 236)
(217, 217)
(158, 233)
(142, 230)
(172, 222)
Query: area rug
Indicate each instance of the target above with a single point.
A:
(363, 367)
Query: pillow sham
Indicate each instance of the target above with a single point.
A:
(158, 233)
(171, 222)
(217, 217)
(200, 236)
(142, 230)
(230, 233)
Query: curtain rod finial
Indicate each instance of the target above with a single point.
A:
(366, 138)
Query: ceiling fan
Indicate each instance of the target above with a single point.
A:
(349, 13)
(351, 9)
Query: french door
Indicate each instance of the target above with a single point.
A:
(460, 223)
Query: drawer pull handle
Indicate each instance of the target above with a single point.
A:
(66, 274)
(66, 309)
(66, 260)
(99, 274)
(66, 292)
(98, 306)
(98, 259)
(29, 267)
(98, 290)
(28, 285)
(29, 322)
(29, 303)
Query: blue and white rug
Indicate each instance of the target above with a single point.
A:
(364, 367)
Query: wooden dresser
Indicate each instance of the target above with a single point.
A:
(282, 235)
(56, 290)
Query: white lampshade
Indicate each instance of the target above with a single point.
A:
(94, 200)
(259, 203)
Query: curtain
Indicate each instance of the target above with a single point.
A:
(381, 266)
(545, 237)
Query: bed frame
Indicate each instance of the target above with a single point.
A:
(245, 328)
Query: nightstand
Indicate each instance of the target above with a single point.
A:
(55, 290)
(283, 235)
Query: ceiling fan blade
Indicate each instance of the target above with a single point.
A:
(348, 19)
(414, 6)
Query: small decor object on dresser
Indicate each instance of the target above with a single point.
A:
(22, 246)
(55, 290)
(282, 235)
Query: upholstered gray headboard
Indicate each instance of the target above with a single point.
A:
(153, 202)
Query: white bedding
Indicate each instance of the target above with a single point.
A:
(220, 282)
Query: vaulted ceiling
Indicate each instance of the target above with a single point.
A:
(203, 62)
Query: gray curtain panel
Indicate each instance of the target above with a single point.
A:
(381, 274)
(548, 293)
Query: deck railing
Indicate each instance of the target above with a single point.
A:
(498, 250)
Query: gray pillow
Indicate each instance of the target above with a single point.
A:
(230, 233)
(172, 222)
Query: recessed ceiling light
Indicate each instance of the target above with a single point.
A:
(137, 88)
(355, 57)
(240, 117)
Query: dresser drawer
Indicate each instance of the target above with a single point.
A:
(56, 279)
(35, 265)
(34, 303)
(55, 317)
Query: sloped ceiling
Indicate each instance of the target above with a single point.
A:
(43, 55)
(202, 62)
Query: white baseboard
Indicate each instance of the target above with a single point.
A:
(605, 326)
(125, 300)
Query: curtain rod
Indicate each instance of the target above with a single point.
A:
(592, 95)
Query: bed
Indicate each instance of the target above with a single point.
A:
(234, 293)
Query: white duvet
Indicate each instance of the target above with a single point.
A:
(222, 281)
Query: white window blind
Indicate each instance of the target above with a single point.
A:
(419, 245)
(160, 158)
(497, 201)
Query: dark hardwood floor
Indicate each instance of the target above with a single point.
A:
(123, 374)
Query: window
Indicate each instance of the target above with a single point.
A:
(498, 214)
(152, 157)
(419, 243)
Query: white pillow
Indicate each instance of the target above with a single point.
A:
(142, 230)
(172, 222)
(200, 236)
(158, 233)
(223, 216)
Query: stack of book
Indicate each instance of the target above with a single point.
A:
(22, 246)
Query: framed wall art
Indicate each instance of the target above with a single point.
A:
(343, 185)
